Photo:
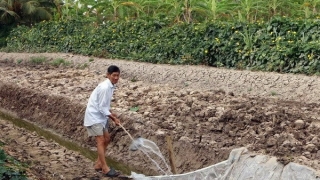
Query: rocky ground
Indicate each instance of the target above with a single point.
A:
(207, 112)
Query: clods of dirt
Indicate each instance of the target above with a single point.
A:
(205, 119)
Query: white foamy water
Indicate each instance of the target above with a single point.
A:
(149, 148)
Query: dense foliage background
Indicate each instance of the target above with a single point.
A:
(275, 35)
(29, 12)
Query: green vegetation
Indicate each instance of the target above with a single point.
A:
(273, 93)
(4, 32)
(134, 79)
(280, 45)
(29, 12)
(60, 61)
(38, 60)
(25, 12)
(135, 108)
(190, 11)
(83, 66)
(42, 60)
(19, 61)
(276, 35)
(11, 168)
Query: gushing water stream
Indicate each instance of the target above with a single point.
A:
(148, 148)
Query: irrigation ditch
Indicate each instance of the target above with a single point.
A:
(62, 125)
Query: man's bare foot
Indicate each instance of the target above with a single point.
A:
(105, 169)
(97, 167)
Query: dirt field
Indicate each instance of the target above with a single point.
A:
(207, 111)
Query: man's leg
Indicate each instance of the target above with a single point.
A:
(107, 139)
(102, 143)
(101, 148)
(106, 135)
(98, 164)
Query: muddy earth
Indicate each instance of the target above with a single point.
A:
(206, 111)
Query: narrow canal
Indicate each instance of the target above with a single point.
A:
(49, 135)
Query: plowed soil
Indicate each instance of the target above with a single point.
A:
(206, 111)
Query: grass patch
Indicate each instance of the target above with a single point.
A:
(82, 66)
(19, 61)
(11, 168)
(273, 93)
(60, 61)
(135, 108)
(134, 79)
(38, 60)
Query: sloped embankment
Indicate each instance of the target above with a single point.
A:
(49, 111)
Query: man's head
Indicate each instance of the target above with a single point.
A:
(113, 74)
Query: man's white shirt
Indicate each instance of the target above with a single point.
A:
(98, 107)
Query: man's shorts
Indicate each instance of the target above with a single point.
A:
(97, 129)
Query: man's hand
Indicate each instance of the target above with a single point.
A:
(114, 118)
(114, 114)
(116, 121)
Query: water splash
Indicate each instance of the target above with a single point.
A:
(148, 148)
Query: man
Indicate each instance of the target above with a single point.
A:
(97, 116)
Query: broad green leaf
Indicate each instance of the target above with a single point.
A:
(135, 109)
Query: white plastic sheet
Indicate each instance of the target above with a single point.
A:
(242, 165)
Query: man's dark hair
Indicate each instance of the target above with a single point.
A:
(112, 69)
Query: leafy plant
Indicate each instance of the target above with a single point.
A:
(10, 168)
(135, 108)
(60, 61)
(3, 157)
(248, 10)
(213, 9)
(38, 60)
(280, 45)
(82, 66)
(134, 79)
(19, 61)
(24, 11)
(273, 93)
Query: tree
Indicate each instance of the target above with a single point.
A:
(25, 12)
(205, 10)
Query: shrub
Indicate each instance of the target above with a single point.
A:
(60, 61)
(38, 60)
(10, 168)
(280, 45)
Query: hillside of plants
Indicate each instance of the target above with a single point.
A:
(276, 35)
